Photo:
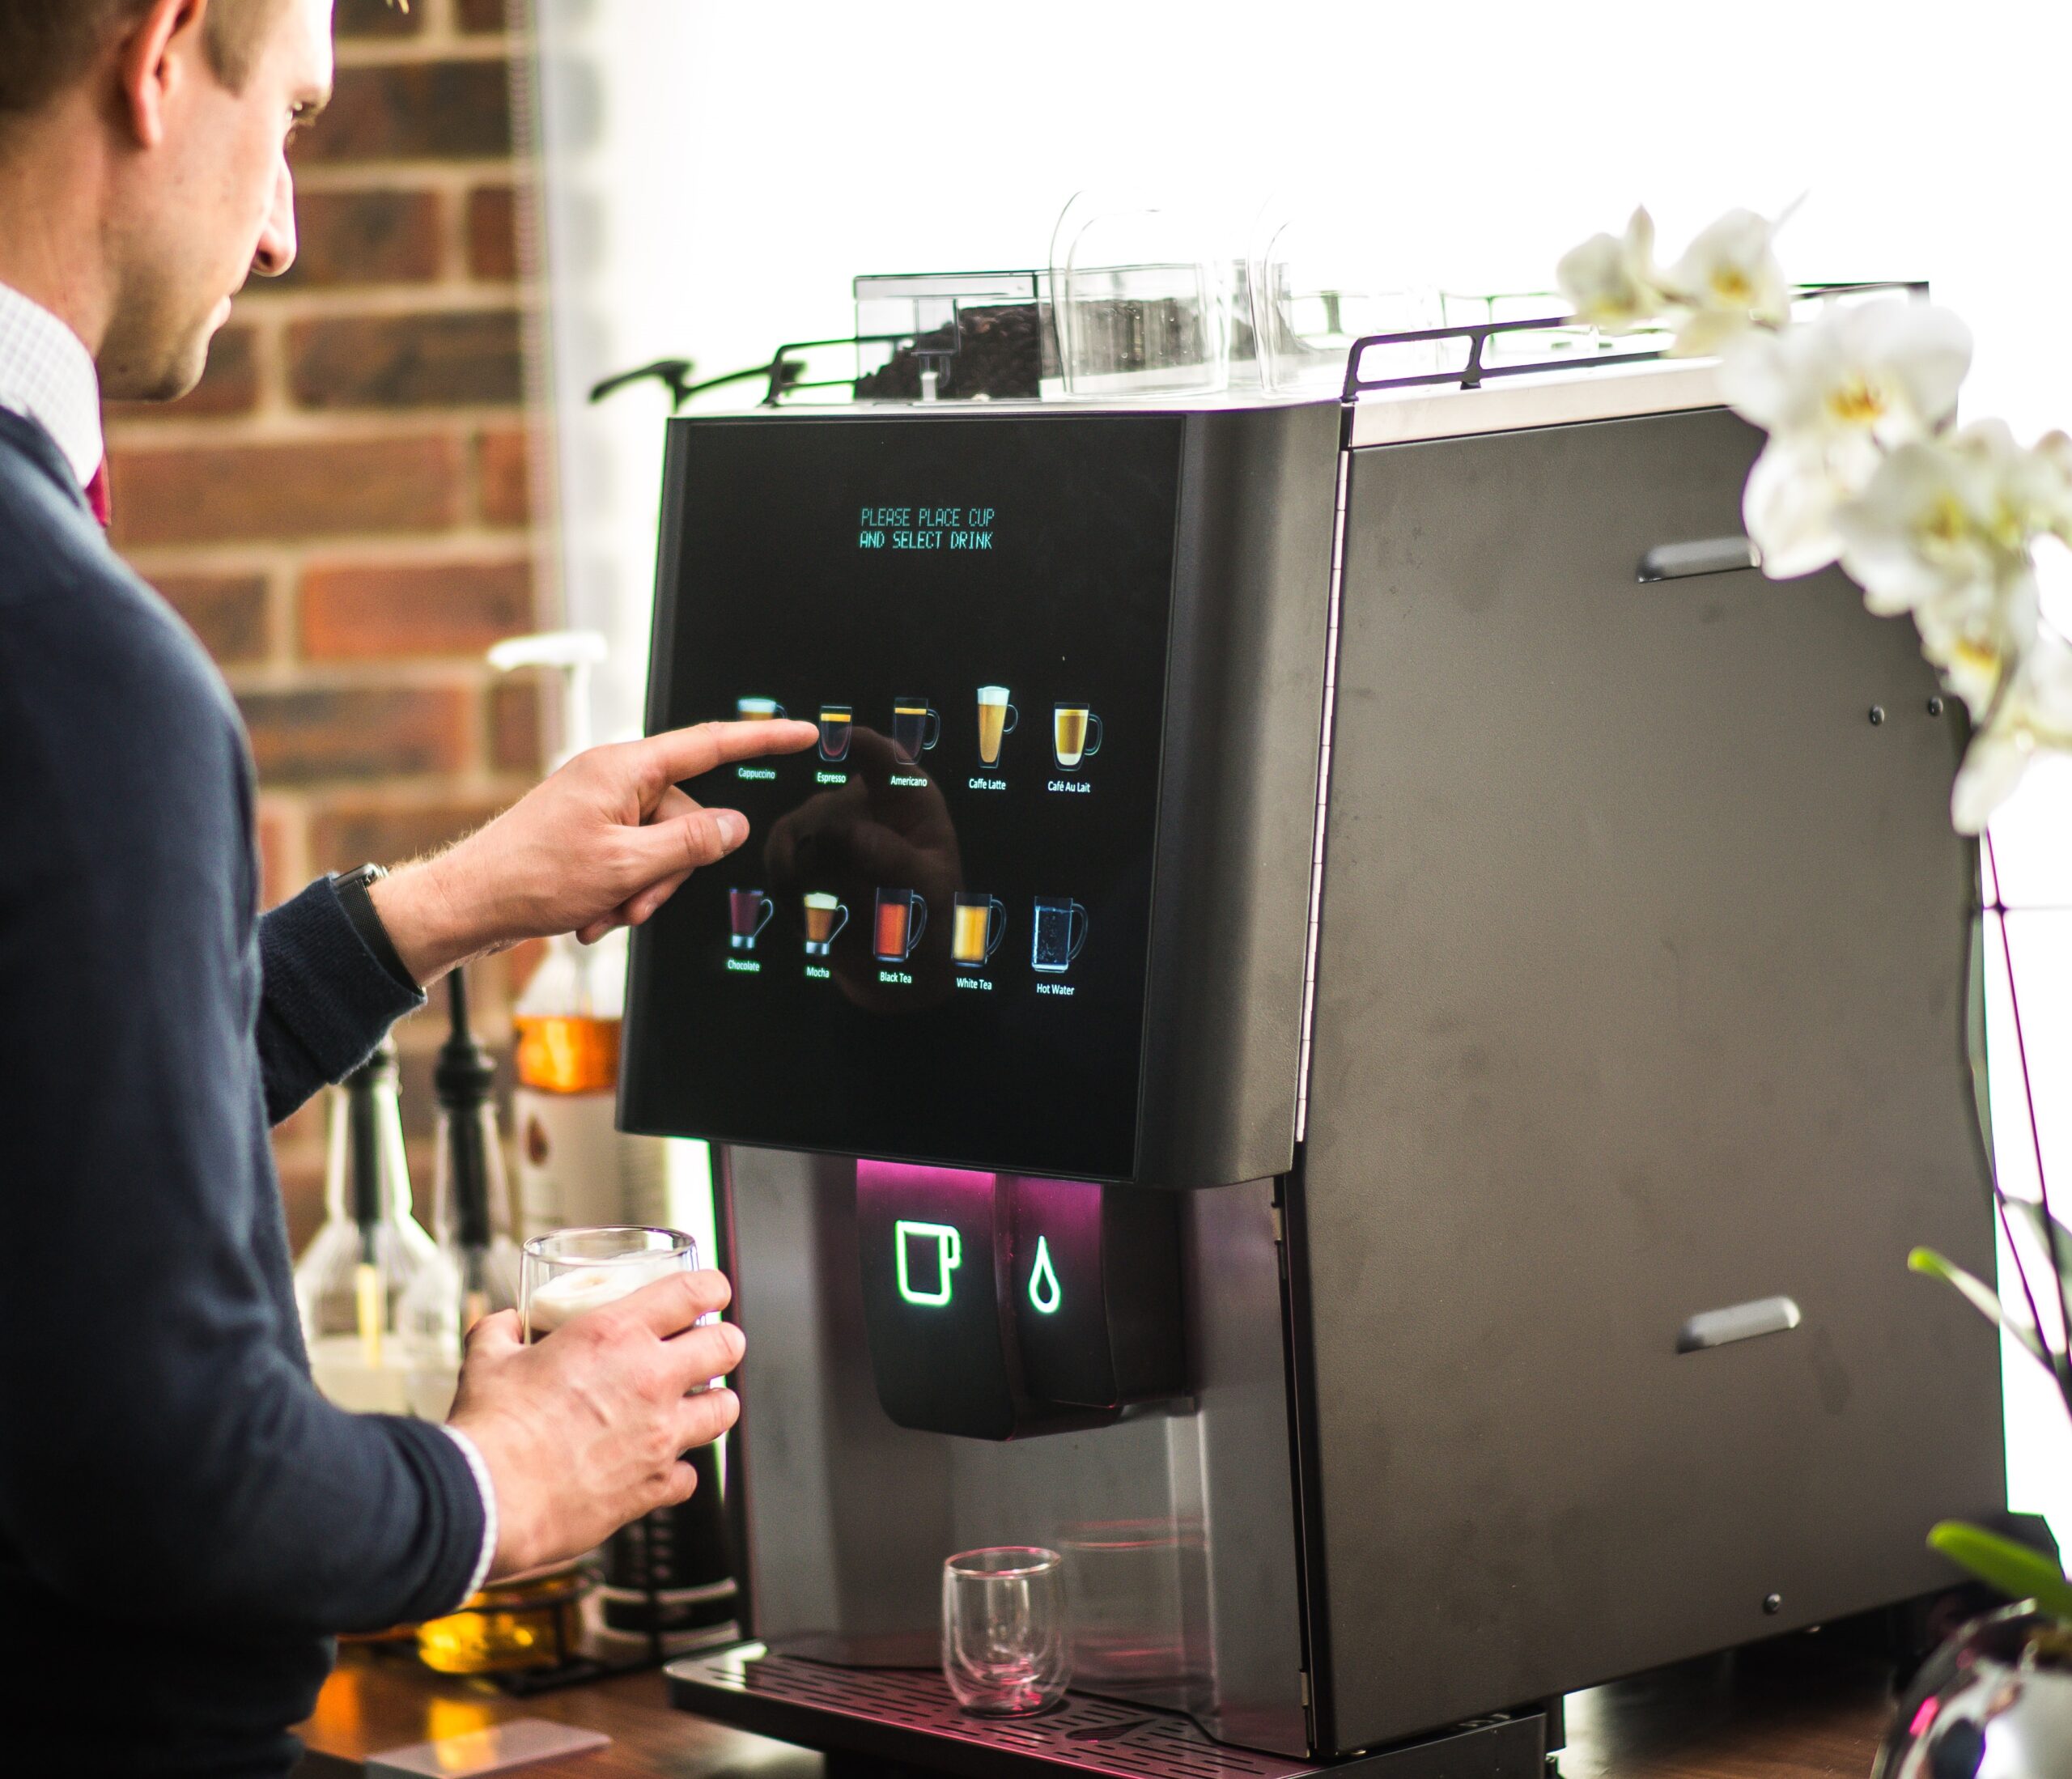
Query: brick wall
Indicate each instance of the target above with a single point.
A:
(343, 510)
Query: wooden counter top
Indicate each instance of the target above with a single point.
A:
(1789, 1710)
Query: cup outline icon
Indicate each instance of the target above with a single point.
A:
(949, 1256)
(844, 716)
(820, 947)
(996, 928)
(905, 710)
(1092, 739)
(1008, 722)
(917, 923)
(743, 714)
(1077, 922)
(737, 940)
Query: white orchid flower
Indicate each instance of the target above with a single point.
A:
(1973, 640)
(1834, 396)
(1728, 281)
(2033, 715)
(1611, 282)
(1950, 520)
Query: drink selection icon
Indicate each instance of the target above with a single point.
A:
(757, 710)
(996, 721)
(978, 923)
(902, 917)
(836, 723)
(826, 917)
(916, 727)
(1060, 933)
(1070, 723)
(749, 911)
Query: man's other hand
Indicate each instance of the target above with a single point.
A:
(585, 1430)
(602, 843)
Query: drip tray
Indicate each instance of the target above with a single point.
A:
(907, 1716)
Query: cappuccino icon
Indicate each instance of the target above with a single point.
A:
(757, 710)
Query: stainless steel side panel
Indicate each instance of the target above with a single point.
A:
(1640, 994)
(1178, 1525)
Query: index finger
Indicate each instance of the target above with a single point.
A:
(678, 754)
(670, 1305)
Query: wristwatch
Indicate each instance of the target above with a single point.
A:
(353, 888)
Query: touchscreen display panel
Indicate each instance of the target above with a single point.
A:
(933, 945)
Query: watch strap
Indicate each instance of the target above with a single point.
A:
(354, 889)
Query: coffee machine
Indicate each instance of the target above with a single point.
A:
(1350, 1025)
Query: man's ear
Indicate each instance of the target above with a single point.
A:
(151, 61)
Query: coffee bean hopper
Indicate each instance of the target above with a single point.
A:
(1358, 1017)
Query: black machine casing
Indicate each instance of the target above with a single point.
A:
(1237, 755)
(1639, 973)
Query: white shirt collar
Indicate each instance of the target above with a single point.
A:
(47, 373)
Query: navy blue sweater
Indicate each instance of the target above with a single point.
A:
(183, 1521)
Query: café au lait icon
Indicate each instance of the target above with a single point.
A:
(1045, 1292)
(1075, 732)
(949, 1256)
(749, 911)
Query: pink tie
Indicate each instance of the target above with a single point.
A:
(97, 494)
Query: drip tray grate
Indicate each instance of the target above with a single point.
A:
(908, 1715)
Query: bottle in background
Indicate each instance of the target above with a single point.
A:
(351, 1281)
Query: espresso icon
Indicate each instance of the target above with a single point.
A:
(1060, 933)
(980, 925)
(826, 917)
(749, 911)
(996, 721)
(916, 729)
(835, 723)
(902, 917)
(1071, 723)
(757, 710)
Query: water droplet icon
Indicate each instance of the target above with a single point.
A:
(1044, 1291)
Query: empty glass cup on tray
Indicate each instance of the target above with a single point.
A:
(562, 1275)
(1005, 1648)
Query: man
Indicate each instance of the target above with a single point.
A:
(183, 1521)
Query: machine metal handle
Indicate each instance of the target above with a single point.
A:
(1737, 1322)
(1702, 556)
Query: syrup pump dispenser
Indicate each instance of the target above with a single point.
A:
(351, 1281)
(475, 1270)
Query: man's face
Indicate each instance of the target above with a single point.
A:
(213, 201)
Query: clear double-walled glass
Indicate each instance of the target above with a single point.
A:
(562, 1275)
(1006, 1647)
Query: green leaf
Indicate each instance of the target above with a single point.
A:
(1984, 1299)
(2013, 1569)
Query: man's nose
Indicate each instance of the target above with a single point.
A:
(276, 250)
